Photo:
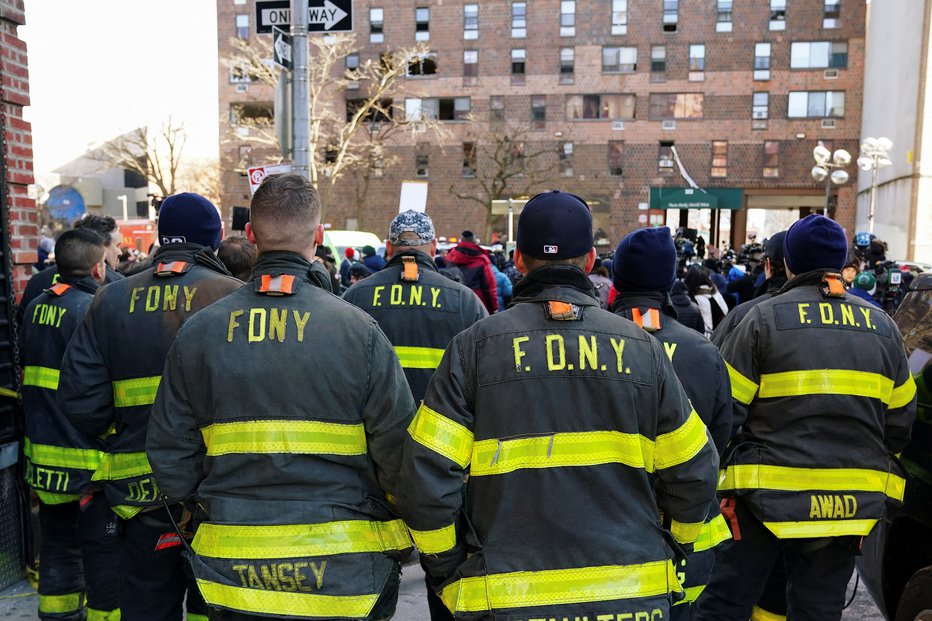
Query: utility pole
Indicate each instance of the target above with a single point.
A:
(300, 89)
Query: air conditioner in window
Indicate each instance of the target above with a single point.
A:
(828, 123)
(618, 125)
(759, 114)
(831, 74)
(242, 88)
(668, 125)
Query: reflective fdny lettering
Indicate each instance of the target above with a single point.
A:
(285, 576)
(829, 506)
(516, 345)
(48, 315)
(401, 295)
(267, 324)
(559, 354)
(164, 298)
(47, 478)
(556, 361)
(829, 314)
(670, 348)
(144, 490)
(619, 347)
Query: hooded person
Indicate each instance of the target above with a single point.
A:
(644, 271)
(476, 266)
(109, 378)
(371, 259)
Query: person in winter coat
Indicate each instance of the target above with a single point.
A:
(476, 267)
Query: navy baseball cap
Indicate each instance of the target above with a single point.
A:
(555, 225)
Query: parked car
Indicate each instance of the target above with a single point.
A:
(896, 561)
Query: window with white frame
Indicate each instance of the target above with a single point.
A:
(778, 14)
(760, 106)
(619, 59)
(719, 159)
(671, 15)
(723, 22)
(619, 17)
(437, 108)
(422, 64)
(565, 157)
(470, 21)
(697, 63)
(518, 20)
(567, 65)
(568, 18)
(761, 61)
(668, 106)
(605, 107)
(470, 67)
(819, 55)
(497, 108)
(665, 159)
(538, 111)
(816, 104)
(242, 26)
(518, 65)
(422, 24)
(832, 14)
(658, 60)
(376, 25)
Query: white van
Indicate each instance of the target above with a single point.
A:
(339, 241)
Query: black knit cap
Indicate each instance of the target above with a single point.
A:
(555, 225)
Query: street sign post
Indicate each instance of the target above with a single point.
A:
(323, 15)
(281, 48)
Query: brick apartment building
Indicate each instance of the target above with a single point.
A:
(742, 89)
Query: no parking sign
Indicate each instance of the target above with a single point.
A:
(257, 174)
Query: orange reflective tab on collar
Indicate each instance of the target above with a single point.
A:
(562, 311)
(409, 271)
(276, 285)
(172, 269)
(832, 286)
(650, 320)
(59, 289)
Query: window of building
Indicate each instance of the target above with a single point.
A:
(771, 158)
(724, 20)
(671, 15)
(352, 61)
(619, 59)
(696, 63)
(567, 65)
(422, 65)
(565, 158)
(240, 74)
(376, 24)
(470, 21)
(762, 61)
(619, 17)
(518, 60)
(760, 106)
(517, 154)
(422, 165)
(658, 62)
(538, 111)
(616, 157)
(244, 158)
(665, 159)
(568, 18)
(497, 108)
(665, 106)
(819, 55)
(832, 14)
(437, 108)
(518, 20)
(469, 160)
(778, 14)
(376, 114)
(422, 24)
(252, 113)
(242, 26)
(816, 104)
(614, 107)
(470, 67)
(330, 156)
(719, 159)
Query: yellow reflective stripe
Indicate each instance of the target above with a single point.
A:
(114, 615)
(43, 377)
(759, 614)
(127, 512)
(743, 389)
(285, 436)
(588, 448)
(685, 532)
(61, 456)
(286, 604)
(116, 466)
(692, 594)
(139, 391)
(434, 541)
(787, 479)
(299, 540)
(902, 395)
(681, 445)
(190, 617)
(821, 528)
(560, 586)
(60, 603)
(441, 435)
(713, 532)
(419, 357)
(826, 382)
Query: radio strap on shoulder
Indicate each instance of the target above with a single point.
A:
(409, 271)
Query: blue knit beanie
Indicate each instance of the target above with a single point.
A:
(645, 260)
(189, 218)
(814, 243)
(555, 225)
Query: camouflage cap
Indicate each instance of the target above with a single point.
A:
(411, 228)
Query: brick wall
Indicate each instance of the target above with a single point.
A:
(14, 95)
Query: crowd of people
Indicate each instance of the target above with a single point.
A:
(560, 435)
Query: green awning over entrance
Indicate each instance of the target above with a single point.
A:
(688, 198)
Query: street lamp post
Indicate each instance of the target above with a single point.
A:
(875, 154)
(830, 168)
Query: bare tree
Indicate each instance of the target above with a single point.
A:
(156, 156)
(201, 176)
(507, 164)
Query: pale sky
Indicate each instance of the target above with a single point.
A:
(99, 68)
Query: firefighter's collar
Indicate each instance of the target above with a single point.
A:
(817, 278)
(421, 258)
(281, 262)
(563, 283)
(659, 300)
(84, 283)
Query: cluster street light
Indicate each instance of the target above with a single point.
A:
(830, 168)
(875, 153)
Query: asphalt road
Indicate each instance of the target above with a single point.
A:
(20, 602)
